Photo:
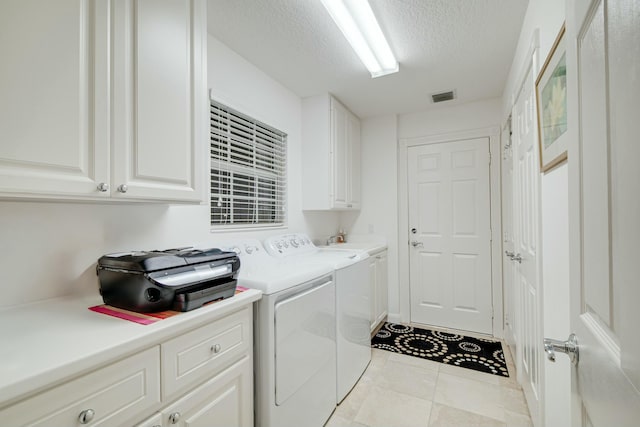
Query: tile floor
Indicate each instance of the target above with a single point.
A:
(403, 391)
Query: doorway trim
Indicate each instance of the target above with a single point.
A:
(493, 133)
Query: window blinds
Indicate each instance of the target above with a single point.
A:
(248, 170)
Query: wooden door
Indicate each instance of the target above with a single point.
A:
(450, 260)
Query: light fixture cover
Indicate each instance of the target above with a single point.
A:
(360, 27)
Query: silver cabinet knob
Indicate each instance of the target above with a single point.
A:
(86, 416)
(417, 244)
(123, 188)
(216, 348)
(103, 187)
(569, 347)
(174, 418)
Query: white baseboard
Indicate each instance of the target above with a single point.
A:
(394, 318)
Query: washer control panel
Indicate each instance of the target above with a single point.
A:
(289, 244)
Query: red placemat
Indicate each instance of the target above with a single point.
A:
(144, 318)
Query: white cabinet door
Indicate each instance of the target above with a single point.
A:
(100, 101)
(53, 122)
(159, 99)
(353, 171)
(373, 290)
(381, 286)
(330, 155)
(225, 400)
(339, 154)
(378, 285)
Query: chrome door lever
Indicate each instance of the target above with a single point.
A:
(509, 254)
(517, 258)
(417, 244)
(569, 347)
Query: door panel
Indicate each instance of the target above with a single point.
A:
(450, 269)
(525, 238)
(508, 245)
(604, 211)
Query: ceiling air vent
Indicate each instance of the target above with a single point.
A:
(443, 96)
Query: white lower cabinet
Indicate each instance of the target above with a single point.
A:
(202, 377)
(378, 286)
(223, 401)
(108, 396)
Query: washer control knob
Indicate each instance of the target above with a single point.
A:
(294, 243)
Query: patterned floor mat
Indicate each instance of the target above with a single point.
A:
(467, 352)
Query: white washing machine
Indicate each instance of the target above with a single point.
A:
(294, 330)
(352, 325)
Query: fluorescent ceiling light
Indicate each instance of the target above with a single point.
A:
(359, 25)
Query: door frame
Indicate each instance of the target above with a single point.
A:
(493, 133)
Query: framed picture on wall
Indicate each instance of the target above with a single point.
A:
(551, 100)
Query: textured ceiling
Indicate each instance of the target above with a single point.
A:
(466, 45)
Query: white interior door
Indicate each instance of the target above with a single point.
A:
(508, 244)
(604, 211)
(449, 219)
(526, 219)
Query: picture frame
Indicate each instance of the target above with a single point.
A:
(551, 106)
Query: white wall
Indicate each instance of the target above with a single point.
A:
(547, 17)
(442, 119)
(50, 249)
(379, 210)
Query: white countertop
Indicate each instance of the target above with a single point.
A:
(48, 342)
(370, 247)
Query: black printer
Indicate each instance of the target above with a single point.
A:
(180, 279)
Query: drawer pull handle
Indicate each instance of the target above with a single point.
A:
(174, 418)
(86, 416)
(216, 348)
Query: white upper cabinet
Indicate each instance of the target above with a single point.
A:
(330, 155)
(103, 100)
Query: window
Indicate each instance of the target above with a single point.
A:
(248, 171)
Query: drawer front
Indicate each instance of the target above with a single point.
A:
(225, 400)
(109, 396)
(154, 421)
(195, 356)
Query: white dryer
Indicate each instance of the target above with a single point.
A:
(352, 323)
(294, 330)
